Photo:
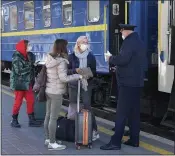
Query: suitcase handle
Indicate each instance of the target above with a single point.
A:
(78, 97)
(85, 110)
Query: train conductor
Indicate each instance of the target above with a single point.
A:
(131, 65)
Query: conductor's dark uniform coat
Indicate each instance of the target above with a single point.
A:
(131, 66)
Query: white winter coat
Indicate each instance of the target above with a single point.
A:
(57, 77)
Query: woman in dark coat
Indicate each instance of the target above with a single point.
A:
(81, 58)
(21, 81)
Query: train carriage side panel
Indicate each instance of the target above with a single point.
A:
(144, 15)
(42, 41)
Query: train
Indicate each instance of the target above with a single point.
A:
(42, 22)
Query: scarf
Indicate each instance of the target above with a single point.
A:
(82, 58)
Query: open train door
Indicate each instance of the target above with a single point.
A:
(169, 117)
(117, 10)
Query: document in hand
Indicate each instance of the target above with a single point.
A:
(107, 55)
(86, 72)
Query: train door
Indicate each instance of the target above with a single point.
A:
(116, 16)
(169, 117)
(166, 70)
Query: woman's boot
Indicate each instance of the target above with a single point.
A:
(14, 122)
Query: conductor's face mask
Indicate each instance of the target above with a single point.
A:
(122, 32)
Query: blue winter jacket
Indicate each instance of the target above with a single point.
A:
(74, 63)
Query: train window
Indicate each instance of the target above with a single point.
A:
(93, 10)
(13, 17)
(29, 14)
(67, 12)
(46, 13)
(6, 15)
(115, 9)
(2, 20)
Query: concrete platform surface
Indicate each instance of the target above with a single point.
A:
(30, 141)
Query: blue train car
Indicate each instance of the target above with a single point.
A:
(41, 22)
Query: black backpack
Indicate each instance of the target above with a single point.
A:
(65, 129)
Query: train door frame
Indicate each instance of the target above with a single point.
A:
(169, 119)
(171, 54)
(118, 13)
(171, 23)
(115, 17)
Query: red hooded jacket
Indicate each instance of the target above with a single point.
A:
(22, 48)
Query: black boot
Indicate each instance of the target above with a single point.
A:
(14, 122)
(33, 122)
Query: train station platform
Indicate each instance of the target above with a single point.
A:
(30, 141)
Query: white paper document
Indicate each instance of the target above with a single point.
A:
(108, 54)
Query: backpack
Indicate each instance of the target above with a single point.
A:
(40, 85)
(65, 130)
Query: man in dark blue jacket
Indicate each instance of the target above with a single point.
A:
(131, 63)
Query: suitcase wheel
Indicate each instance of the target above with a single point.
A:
(90, 146)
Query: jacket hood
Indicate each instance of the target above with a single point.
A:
(21, 48)
(52, 62)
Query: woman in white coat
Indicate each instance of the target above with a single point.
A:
(57, 78)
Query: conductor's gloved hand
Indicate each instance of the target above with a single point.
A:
(31, 57)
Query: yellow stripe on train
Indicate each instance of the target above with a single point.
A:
(88, 28)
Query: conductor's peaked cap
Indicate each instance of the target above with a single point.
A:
(127, 26)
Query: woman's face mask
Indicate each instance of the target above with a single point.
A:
(29, 48)
(83, 47)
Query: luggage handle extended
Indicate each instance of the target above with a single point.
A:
(78, 96)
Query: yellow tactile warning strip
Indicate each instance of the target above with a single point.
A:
(104, 130)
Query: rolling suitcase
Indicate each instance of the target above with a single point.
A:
(83, 125)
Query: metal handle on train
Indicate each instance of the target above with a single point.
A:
(78, 97)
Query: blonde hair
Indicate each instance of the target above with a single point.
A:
(80, 40)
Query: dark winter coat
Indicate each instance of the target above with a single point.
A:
(74, 63)
(22, 73)
(131, 62)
